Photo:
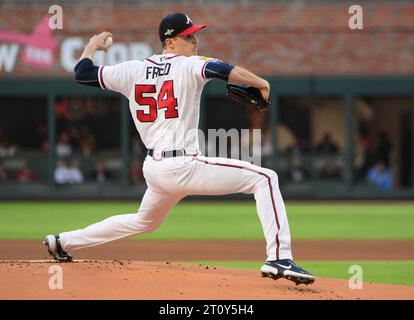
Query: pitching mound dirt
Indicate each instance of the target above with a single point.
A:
(164, 280)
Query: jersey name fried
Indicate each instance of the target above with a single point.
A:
(153, 72)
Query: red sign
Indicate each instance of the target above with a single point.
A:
(39, 48)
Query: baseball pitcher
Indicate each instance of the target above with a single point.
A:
(164, 101)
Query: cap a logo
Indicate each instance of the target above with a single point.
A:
(188, 20)
(168, 32)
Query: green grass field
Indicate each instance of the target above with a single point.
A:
(236, 220)
(394, 272)
(215, 220)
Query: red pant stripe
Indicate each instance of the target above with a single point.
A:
(271, 195)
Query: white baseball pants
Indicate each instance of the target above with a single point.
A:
(171, 179)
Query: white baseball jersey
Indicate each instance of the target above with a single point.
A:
(164, 97)
(164, 93)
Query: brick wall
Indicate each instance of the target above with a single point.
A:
(282, 39)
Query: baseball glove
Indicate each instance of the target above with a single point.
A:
(248, 95)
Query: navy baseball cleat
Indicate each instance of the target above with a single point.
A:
(287, 269)
(55, 249)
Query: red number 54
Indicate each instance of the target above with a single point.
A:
(165, 100)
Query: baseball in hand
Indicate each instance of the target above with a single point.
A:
(108, 42)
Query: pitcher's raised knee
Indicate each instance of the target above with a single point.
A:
(266, 176)
(270, 175)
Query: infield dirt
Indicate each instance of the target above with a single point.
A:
(122, 273)
(172, 281)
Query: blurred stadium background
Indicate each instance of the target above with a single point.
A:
(343, 100)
